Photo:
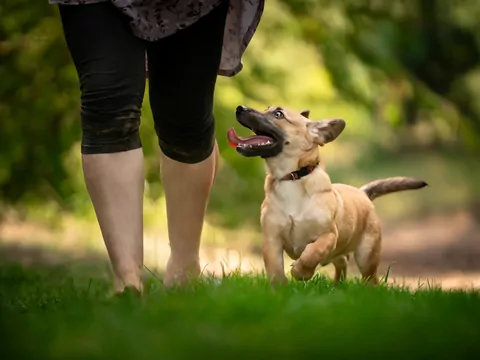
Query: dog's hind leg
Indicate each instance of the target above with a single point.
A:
(367, 254)
(341, 264)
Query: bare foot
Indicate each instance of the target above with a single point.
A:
(301, 272)
(179, 273)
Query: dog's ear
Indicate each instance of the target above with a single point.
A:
(325, 131)
(305, 113)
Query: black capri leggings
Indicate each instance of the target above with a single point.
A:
(110, 63)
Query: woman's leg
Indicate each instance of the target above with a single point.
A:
(110, 63)
(182, 74)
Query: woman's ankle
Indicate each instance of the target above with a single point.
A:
(181, 270)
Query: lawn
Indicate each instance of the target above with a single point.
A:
(51, 314)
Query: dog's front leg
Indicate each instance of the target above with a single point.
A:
(313, 255)
(272, 250)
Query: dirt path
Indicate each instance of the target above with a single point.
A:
(445, 248)
(440, 250)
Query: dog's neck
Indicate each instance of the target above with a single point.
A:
(281, 167)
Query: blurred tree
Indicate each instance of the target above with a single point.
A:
(420, 55)
(38, 102)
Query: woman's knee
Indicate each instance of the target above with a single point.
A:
(185, 137)
(110, 120)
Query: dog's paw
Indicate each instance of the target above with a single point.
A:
(278, 281)
(301, 273)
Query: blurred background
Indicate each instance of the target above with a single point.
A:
(405, 75)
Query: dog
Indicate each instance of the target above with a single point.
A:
(303, 214)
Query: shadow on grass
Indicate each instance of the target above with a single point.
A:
(86, 264)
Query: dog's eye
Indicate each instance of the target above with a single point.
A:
(278, 114)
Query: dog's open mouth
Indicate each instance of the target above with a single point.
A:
(255, 141)
(268, 138)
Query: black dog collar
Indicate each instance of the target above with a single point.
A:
(298, 174)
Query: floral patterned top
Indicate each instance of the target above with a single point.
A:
(156, 19)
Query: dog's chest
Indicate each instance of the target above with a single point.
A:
(300, 217)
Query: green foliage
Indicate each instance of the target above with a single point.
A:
(59, 316)
(407, 63)
(38, 103)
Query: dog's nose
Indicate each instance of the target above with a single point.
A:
(241, 109)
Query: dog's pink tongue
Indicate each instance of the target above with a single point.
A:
(234, 140)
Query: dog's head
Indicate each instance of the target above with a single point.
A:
(282, 133)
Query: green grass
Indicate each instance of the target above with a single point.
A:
(51, 314)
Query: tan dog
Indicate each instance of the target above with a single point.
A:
(314, 221)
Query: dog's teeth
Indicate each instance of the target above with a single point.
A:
(250, 146)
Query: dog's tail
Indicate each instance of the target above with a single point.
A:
(386, 186)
